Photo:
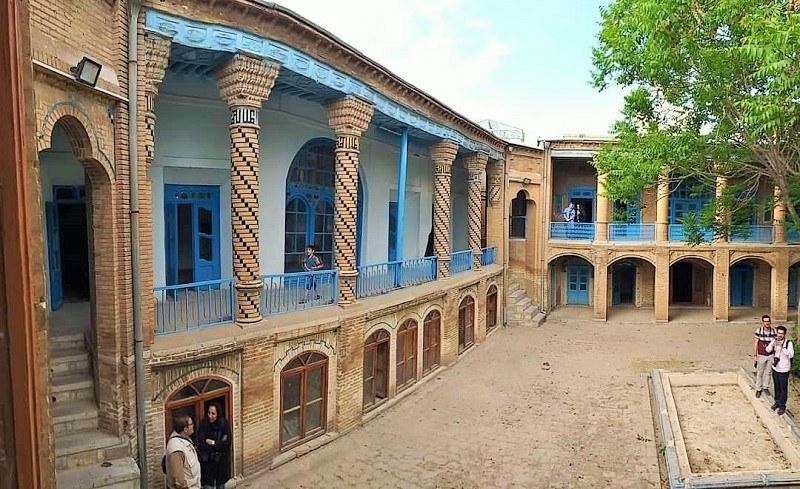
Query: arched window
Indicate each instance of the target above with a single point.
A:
(194, 398)
(519, 215)
(406, 354)
(466, 323)
(304, 388)
(311, 181)
(376, 369)
(491, 308)
(430, 341)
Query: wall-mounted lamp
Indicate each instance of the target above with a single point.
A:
(87, 71)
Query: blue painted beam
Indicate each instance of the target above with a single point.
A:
(214, 37)
(401, 194)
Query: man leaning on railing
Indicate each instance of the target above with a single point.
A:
(569, 215)
(311, 264)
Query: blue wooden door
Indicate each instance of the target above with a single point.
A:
(54, 257)
(741, 285)
(192, 233)
(578, 284)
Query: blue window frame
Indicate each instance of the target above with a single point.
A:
(310, 197)
(584, 200)
(192, 233)
(684, 200)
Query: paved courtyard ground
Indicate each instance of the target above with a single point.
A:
(565, 405)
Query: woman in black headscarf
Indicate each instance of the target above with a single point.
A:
(214, 449)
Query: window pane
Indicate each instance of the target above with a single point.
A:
(206, 248)
(291, 425)
(291, 391)
(314, 384)
(204, 221)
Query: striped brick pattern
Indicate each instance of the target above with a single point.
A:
(476, 166)
(156, 58)
(244, 83)
(349, 118)
(442, 153)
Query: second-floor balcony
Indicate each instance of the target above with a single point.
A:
(384, 277)
(631, 232)
(573, 231)
(678, 233)
(754, 234)
(460, 261)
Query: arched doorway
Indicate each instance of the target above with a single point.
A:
(310, 205)
(304, 392)
(519, 216)
(406, 354)
(376, 369)
(632, 284)
(691, 289)
(491, 308)
(466, 323)
(193, 400)
(750, 289)
(430, 341)
(571, 281)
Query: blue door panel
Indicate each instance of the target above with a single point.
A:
(741, 288)
(204, 232)
(54, 257)
(578, 284)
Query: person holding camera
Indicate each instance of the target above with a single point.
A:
(782, 351)
(214, 441)
(762, 359)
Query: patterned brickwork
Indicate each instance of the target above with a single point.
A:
(156, 57)
(495, 212)
(442, 153)
(476, 166)
(349, 118)
(244, 84)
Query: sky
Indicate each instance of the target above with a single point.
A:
(523, 63)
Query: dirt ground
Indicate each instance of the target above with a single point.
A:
(565, 405)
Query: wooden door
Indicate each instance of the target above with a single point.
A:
(406, 354)
(430, 341)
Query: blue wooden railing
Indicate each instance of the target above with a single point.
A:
(572, 230)
(489, 256)
(460, 261)
(677, 233)
(381, 278)
(631, 232)
(290, 292)
(195, 305)
(753, 234)
(793, 235)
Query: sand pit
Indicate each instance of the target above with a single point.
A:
(717, 434)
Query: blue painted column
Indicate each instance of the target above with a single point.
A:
(401, 195)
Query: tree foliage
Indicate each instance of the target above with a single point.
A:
(714, 90)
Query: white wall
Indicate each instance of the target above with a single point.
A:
(192, 147)
(459, 219)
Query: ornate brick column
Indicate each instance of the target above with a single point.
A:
(156, 58)
(442, 153)
(601, 233)
(720, 297)
(349, 118)
(476, 166)
(244, 83)
(662, 210)
(779, 218)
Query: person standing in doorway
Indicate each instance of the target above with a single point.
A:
(782, 351)
(569, 217)
(181, 462)
(579, 213)
(311, 263)
(214, 441)
(762, 360)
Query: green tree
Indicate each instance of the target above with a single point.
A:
(714, 90)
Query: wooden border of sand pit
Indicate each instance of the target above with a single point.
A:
(782, 430)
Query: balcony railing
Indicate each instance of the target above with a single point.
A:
(754, 234)
(191, 306)
(489, 256)
(631, 232)
(677, 233)
(460, 261)
(385, 277)
(572, 230)
(290, 292)
(793, 235)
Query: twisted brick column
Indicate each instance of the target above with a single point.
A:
(476, 166)
(156, 58)
(244, 83)
(442, 153)
(349, 118)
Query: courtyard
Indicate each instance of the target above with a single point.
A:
(559, 406)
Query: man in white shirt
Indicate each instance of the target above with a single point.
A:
(782, 351)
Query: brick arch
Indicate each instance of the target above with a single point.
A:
(758, 258)
(433, 307)
(632, 256)
(572, 253)
(688, 256)
(86, 144)
(405, 317)
(112, 341)
(223, 374)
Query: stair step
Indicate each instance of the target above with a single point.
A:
(73, 360)
(514, 294)
(74, 416)
(67, 342)
(531, 310)
(72, 387)
(121, 473)
(523, 303)
(88, 448)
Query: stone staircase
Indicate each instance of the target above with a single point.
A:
(85, 456)
(521, 310)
